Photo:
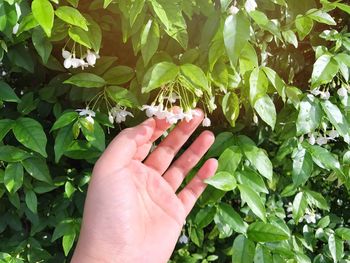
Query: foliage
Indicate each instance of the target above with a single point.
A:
(278, 74)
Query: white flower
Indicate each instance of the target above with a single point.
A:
(333, 134)
(312, 139)
(150, 110)
(90, 119)
(339, 202)
(120, 114)
(75, 62)
(255, 119)
(66, 54)
(212, 105)
(15, 29)
(67, 63)
(342, 92)
(172, 118)
(18, 10)
(325, 95)
(206, 122)
(86, 112)
(289, 207)
(110, 118)
(172, 97)
(91, 57)
(250, 5)
(310, 216)
(321, 140)
(316, 92)
(183, 239)
(233, 10)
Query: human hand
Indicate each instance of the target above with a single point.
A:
(132, 212)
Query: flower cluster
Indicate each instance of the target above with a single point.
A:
(310, 215)
(323, 94)
(317, 138)
(71, 61)
(171, 116)
(88, 114)
(118, 114)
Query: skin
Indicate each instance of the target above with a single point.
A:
(133, 212)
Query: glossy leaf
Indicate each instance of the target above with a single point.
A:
(236, 35)
(86, 80)
(30, 133)
(253, 200)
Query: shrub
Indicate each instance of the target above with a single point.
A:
(272, 77)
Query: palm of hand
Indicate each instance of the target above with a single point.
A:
(140, 214)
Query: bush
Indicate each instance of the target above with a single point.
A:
(272, 78)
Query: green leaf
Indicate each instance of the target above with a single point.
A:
(304, 25)
(265, 232)
(343, 7)
(257, 157)
(276, 81)
(42, 44)
(230, 107)
(262, 255)
(336, 247)
(253, 200)
(222, 180)
(121, 96)
(135, 10)
(299, 206)
(64, 120)
(63, 140)
(71, 16)
(7, 93)
(96, 136)
(67, 243)
(266, 110)
(65, 227)
(236, 35)
(80, 36)
(170, 14)
(31, 201)
(5, 126)
(196, 76)
(321, 17)
(86, 80)
(226, 215)
(159, 75)
(338, 120)
(252, 179)
(310, 115)
(205, 216)
(325, 69)
(28, 22)
(302, 167)
(43, 13)
(12, 154)
(30, 133)
(230, 159)
(149, 40)
(322, 157)
(258, 85)
(13, 178)
(243, 250)
(290, 37)
(343, 233)
(119, 75)
(316, 199)
(38, 169)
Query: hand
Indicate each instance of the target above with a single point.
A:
(132, 212)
